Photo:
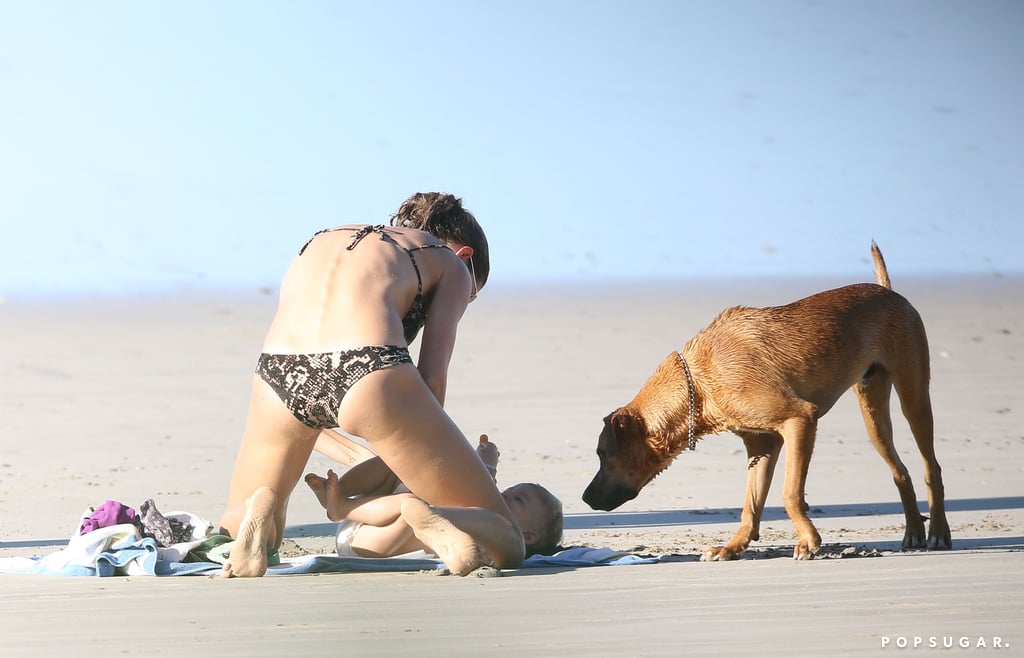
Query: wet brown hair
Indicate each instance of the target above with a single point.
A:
(443, 216)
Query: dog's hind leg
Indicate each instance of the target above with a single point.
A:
(873, 394)
(762, 455)
(917, 408)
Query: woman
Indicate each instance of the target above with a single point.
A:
(336, 355)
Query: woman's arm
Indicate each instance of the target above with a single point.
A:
(341, 448)
(451, 296)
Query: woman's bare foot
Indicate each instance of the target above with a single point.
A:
(457, 549)
(256, 532)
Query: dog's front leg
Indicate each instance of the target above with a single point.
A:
(799, 433)
(762, 455)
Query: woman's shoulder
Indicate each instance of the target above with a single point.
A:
(405, 238)
(348, 228)
(416, 235)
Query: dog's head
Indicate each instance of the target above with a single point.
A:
(630, 458)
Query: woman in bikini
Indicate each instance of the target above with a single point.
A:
(336, 355)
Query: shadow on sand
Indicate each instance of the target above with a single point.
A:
(592, 520)
(656, 518)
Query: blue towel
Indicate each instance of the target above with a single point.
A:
(585, 556)
(580, 556)
(129, 554)
(335, 564)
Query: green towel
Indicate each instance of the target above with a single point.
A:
(217, 548)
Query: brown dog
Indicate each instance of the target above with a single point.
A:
(768, 375)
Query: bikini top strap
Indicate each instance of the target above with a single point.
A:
(359, 234)
(313, 238)
(419, 282)
(365, 231)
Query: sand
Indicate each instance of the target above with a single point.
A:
(143, 397)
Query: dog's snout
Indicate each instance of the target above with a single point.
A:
(605, 498)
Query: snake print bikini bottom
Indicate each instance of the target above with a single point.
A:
(313, 385)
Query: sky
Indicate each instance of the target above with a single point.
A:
(194, 145)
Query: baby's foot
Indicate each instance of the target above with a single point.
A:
(248, 558)
(319, 487)
(457, 549)
(328, 491)
(338, 505)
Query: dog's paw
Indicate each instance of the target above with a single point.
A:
(719, 554)
(913, 539)
(806, 547)
(914, 535)
(939, 541)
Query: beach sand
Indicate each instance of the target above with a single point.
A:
(142, 397)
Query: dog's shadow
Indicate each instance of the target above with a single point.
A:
(726, 515)
(656, 518)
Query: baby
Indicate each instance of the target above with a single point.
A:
(367, 501)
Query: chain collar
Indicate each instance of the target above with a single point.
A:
(691, 441)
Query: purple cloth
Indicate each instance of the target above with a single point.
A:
(108, 514)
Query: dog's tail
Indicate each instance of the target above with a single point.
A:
(881, 274)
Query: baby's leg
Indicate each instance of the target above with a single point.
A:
(375, 510)
(319, 486)
(329, 495)
(368, 478)
(389, 540)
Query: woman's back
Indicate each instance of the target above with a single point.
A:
(352, 286)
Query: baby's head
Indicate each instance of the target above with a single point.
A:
(539, 515)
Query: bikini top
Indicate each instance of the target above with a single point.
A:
(416, 316)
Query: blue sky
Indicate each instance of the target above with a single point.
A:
(196, 145)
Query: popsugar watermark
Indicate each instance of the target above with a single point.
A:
(944, 642)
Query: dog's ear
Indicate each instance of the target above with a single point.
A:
(626, 427)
